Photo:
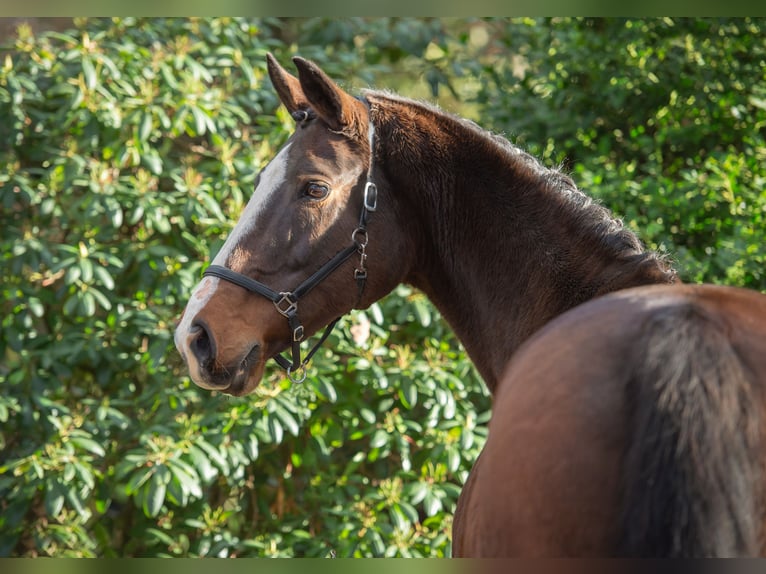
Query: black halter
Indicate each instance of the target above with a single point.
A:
(286, 302)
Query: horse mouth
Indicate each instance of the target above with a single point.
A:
(247, 375)
(243, 379)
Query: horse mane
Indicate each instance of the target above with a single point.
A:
(592, 224)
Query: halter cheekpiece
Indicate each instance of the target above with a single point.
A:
(286, 302)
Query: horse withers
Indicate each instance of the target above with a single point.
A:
(627, 408)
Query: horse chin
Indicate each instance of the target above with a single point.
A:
(248, 375)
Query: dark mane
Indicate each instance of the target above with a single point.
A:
(590, 223)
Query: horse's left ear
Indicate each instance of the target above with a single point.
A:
(341, 111)
(287, 86)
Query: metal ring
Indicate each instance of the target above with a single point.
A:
(296, 380)
(363, 232)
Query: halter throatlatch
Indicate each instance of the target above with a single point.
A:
(286, 302)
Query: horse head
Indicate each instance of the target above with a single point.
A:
(307, 248)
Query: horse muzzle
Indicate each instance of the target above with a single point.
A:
(199, 349)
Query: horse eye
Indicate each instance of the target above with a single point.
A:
(316, 191)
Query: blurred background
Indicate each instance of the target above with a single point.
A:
(129, 148)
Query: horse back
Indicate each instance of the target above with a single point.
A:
(630, 425)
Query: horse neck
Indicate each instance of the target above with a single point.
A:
(503, 245)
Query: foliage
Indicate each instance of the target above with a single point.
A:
(130, 146)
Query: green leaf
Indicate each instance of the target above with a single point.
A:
(104, 277)
(88, 304)
(176, 492)
(154, 495)
(288, 420)
(102, 299)
(252, 447)
(186, 476)
(163, 537)
(55, 495)
(200, 120)
(466, 439)
(453, 459)
(377, 314)
(146, 127)
(399, 519)
(326, 389)
(202, 463)
(451, 490)
(36, 306)
(89, 72)
(70, 305)
(409, 511)
(275, 429)
(86, 474)
(152, 161)
(432, 503)
(367, 415)
(408, 393)
(418, 492)
(117, 216)
(86, 270)
(69, 472)
(378, 546)
(379, 439)
(137, 479)
(449, 407)
(214, 454)
(73, 496)
(88, 444)
(423, 311)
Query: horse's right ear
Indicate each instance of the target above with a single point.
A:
(287, 86)
(339, 110)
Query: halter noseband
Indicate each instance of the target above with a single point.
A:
(286, 302)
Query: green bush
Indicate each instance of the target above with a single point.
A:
(130, 148)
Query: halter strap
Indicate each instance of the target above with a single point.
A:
(286, 302)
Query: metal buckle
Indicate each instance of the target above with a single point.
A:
(370, 196)
(292, 305)
(298, 333)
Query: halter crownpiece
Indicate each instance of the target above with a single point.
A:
(286, 302)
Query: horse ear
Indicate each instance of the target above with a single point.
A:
(287, 86)
(341, 111)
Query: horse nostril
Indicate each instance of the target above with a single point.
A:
(202, 345)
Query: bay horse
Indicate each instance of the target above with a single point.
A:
(627, 415)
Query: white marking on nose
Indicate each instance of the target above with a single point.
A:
(199, 298)
(271, 179)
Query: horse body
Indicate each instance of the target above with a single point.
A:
(620, 421)
(629, 426)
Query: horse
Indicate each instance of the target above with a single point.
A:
(627, 406)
